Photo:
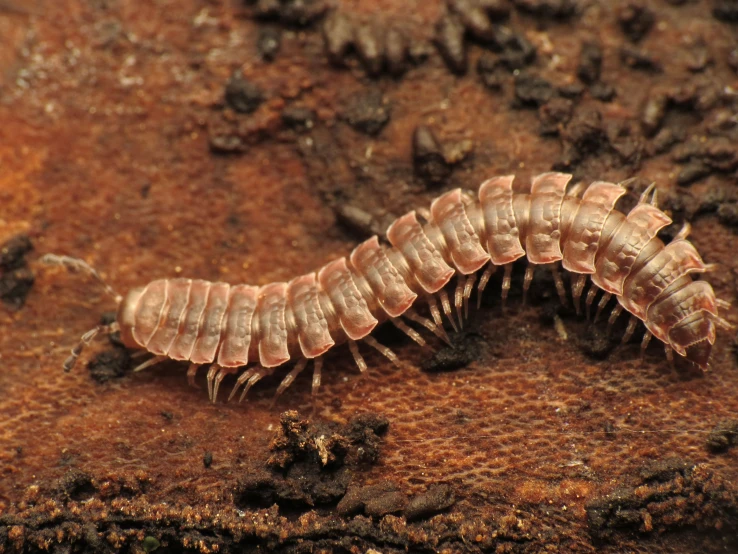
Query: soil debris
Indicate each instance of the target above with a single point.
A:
(635, 20)
(449, 40)
(668, 494)
(311, 463)
(547, 9)
(373, 500)
(433, 501)
(242, 95)
(291, 12)
(268, 43)
(16, 277)
(110, 365)
(465, 350)
(723, 436)
(368, 112)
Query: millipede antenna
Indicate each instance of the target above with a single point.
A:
(77, 264)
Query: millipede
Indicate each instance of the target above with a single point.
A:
(229, 327)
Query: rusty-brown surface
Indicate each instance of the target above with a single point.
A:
(112, 147)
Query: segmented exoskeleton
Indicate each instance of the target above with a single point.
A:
(229, 327)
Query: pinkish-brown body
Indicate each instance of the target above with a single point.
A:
(232, 326)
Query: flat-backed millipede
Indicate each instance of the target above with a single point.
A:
(229, 326)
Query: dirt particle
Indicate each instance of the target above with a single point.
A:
(396, 50)
(691, 173)
(664, 140)
(491, 71)
(338, 36)
(428, 159)
(368, 112)
(590, 62)
(639, 58)
(725, 10)
(583, 136)
(109, 365)
(554, 115)
(360, 222)
(602, 92)
(369, 44)
(723, 436)
(13, 252)
(373, 500)
(472, 15)
(292, 12)
(635, 21)
(207, 459)
(75, 485)
(733, 59)
(449, 40)
(595, 342)
(698, 56)
(16, 278)
(15, 286)
(299, 118)
(465, 350)
(435, 500)
(654, 112)
(532, 90)
(547, 9)
(728, 214)
(268, 43)
(242, 95)
(517, 51)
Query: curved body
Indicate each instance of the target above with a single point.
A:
(232, 326)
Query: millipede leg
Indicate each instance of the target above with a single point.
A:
(447, 309)
(559, 285)
(258, 375)
(428, 324)
(354, 348)
(613, 317)
(527, 281)
(468, 288)
(506, 284)
(85, 341)
(577, 288)
(317, 369)
(222, 372)
(459, 298)
(488, 271)
(632, 322)
(212, 372)
(245, 376)
(644, 196)
(722, 322)
(391, 356)
(289, 379)
(191, 371)
(722, 304)
(684, 231)
(148, 363)
(435, 312)
(644, 343)
(402, 326)
(591, 294)
(669, 355)
(601, 306)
